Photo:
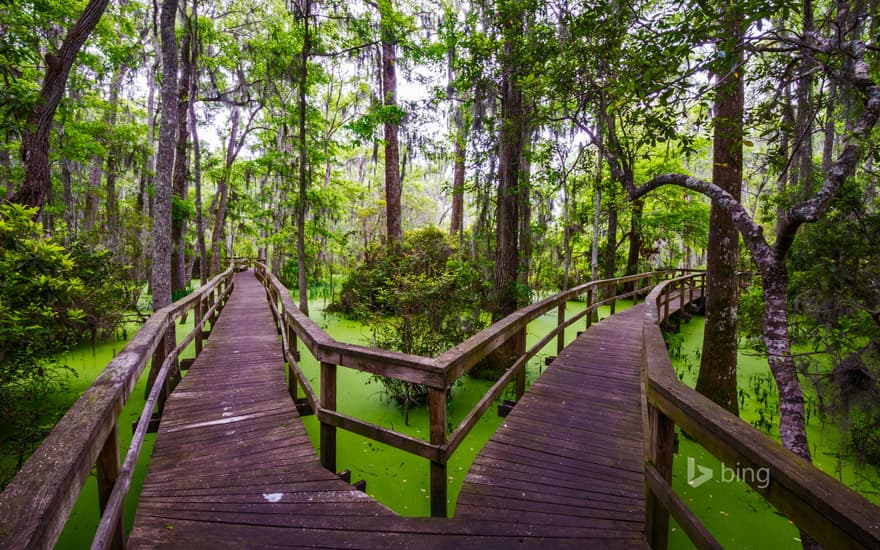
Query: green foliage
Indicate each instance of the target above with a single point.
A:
(182, 210)
(49, 297)
(420, 298)
(835, 265)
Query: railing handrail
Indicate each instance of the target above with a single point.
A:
(832, 513)
(459, 359)
(438, 373)
(35, 505)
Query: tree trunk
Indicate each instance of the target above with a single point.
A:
(610, 267)
(304, 170)
(717, 377)
(90, 211)
(197, 149)
(69, 205)
(523, 195)
(635, 239)
(393, 189)
(179, 277)
(803, 146)
(111, 208)
(456, 224)
(160, 280)
(597, 206)
(223, 193)
(509, 155)
(35, 137)
(792, 421)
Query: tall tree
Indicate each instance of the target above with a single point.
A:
(717, 377)
(197, 149)
(304, 165)
(179, 277)
(35, 137)
(510, 149)
(393, 190)
(160, 279)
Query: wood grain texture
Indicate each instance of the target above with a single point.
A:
(233, 467)
(231, 446)
(569, 454)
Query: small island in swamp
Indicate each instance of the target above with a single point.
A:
(484, 273)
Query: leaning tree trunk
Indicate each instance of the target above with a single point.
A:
(792, 421)
(35, 138)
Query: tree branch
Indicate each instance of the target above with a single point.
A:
(752, 233)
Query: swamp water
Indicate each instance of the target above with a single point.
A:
(737, 516)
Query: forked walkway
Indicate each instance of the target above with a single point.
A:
(570, 454)
(234, 467)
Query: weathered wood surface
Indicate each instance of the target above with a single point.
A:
(231, 447)
(233, 467)
(569, 454)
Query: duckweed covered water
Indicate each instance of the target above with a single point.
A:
(735, 514)
(398, 479)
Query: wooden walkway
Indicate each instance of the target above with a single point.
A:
(570, 453)
(231, 449)
(234, 467)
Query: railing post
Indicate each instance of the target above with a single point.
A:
(636, 291)
(681, 300)
(560, 319)
(291, 372)
(197, 320)
(437, 414)
(328, 401)
(613, 293)
(173, 376)
(213, 297)
(107, 467)
(520, 347)
(589, 305)
(666, 300)
(156, 364)
(662, 444)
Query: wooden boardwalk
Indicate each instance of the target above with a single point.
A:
(570, 453)
(234, 467)
(231, 449)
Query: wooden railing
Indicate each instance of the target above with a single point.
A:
(438, 374)
(827, 510)
(36, 504)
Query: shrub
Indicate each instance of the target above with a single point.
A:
(421, 298)
(49, 298)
